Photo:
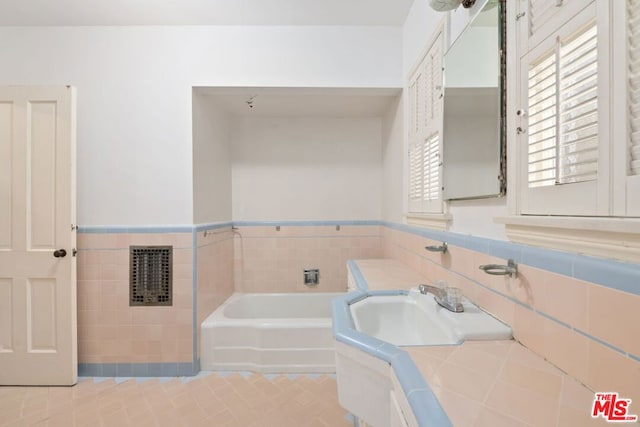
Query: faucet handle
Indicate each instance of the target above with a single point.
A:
(442, 284)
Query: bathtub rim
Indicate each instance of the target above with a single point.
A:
(217, 317)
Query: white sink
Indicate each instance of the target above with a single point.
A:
(416, 319)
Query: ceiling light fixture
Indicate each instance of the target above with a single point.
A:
(446, 5)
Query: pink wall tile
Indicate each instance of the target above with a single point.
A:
(614, 317)
(109, 330)
(216, 267)
(271, 261)
(528, 328)
(495, 304)
(567, 349)
(602, 312)
(528, 286)
(565, 299)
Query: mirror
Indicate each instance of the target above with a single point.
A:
(473, 134)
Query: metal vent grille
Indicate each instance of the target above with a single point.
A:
(150, 275)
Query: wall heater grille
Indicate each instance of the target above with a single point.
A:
(150, 269)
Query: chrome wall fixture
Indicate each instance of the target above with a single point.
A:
(511, 269)
(311, 277)
(442, 248)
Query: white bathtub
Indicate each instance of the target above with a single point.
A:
(270, 333)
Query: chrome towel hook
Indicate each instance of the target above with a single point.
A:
(511, 269)
(442, 248)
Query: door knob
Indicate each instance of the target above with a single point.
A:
(60, 253)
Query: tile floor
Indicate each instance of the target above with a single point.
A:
(210, 399)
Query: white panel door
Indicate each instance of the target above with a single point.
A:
(38, 337)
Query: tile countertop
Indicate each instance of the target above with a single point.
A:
(489, 383)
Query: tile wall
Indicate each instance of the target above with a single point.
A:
(268, 259)
(114, 338)
(589, 330)
(214, 282)
(565, 307)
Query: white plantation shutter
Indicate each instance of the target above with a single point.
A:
(428, 95)
(565, 131)
(543, 121)
(416, 153)
(545, 17)
(425, 121)
(413, 104)
(541, 11)
(431, 164)
(563, 113)
(633, 61)
(416, 107)
(424, 173)
(579, 108)
(434, 98)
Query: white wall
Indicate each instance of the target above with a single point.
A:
(459, 18)
(393, 177)
(134, 96)
(306, 169)
(211, 162)
(417, 31)
(473, 217)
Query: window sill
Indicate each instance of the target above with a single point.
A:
(617, 238)
(433, 221)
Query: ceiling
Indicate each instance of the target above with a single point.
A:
(202, 12)
(301, 102)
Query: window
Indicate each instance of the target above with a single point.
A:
(425, 128)
(632, 69)
(563, 113)
(424, 171)
(564, 125)
(574, 143)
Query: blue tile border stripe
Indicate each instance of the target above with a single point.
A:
(304, 223)
(357, 275)
(212, 226)
(619, 275)
(611, 273)
(165, 369)
(135, 229)
(187, 228)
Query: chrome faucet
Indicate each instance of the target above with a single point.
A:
(441, 295)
